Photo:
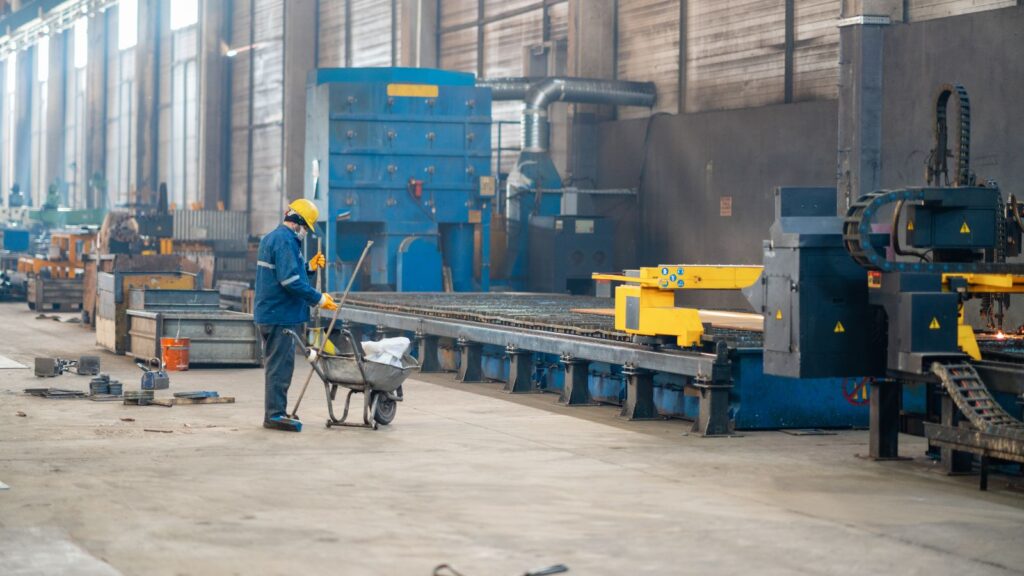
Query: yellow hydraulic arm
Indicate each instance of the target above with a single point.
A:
(645, 304)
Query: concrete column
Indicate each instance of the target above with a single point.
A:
(214, 112)
(300, 21)
(24, 93)
(56, 96)
(418, 33)
(859, 157)
(145, 127)
(95, 122)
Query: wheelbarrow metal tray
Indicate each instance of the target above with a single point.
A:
(344, 370)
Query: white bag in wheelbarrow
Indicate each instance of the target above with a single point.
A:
(387, 351)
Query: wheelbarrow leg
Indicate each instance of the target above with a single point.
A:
(331, 420)
(348, 401)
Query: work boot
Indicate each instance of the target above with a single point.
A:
(283, 423)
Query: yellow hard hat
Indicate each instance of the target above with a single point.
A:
(307, 210)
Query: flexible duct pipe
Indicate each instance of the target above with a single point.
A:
(508, 88)
(539, 93)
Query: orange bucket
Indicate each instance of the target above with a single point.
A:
(175, 352)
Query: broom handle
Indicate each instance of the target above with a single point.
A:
(323, 339)
(351, 280)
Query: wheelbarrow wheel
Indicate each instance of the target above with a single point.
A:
(386, 408)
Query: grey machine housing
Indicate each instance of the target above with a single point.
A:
(818, 321)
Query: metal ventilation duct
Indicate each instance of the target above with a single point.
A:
(539, 93)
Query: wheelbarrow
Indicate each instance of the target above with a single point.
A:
(380, 384)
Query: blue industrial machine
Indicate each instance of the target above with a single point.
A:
(895, 309)
(401, 156)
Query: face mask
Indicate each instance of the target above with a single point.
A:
(301, 234)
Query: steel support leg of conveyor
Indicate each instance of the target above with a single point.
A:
(381, 332)
(427, 352)
(471, 365)
(639, 403)
(713, 417)
(520, 371)
(356, 330)
(576, 388)
(953, 461)
(885, 419)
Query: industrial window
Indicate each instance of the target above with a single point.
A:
(40, 98)
(81, 43)
(184, 13)
(10, 83)
(75, 178)
(184, 157)
(127, 24)
(121, 84)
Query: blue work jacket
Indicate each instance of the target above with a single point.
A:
(283, 291)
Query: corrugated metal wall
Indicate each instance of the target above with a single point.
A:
(508, 28)
(735, 53)
(331, 38)
(816, 50)
(371, 33)
(648, 50)
(375, 32)
(918, 10)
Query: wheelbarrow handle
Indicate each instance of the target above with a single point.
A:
(298, 342)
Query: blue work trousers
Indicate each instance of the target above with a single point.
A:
(279, 363)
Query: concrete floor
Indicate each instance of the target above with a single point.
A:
(491, 484)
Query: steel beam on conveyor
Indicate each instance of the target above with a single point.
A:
(617, 353)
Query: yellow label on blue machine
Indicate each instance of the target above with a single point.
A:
(413, 90)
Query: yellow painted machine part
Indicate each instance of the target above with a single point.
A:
(693, 277)
(989, 283)
(658, 315)
(965, 337)
(653, 288)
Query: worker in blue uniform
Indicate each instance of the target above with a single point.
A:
(283, 298)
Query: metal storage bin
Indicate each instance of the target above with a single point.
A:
(112, 292)
(55, 293)
(185, 300)
(216, 337)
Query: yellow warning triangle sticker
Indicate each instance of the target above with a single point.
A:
(935, 322)
(965, 229)
(910, 226)
(778, 314)
(839, 328)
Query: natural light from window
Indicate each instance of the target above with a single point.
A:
(12, 72)
(184, 13)
(127, 24)
(81, 43)
(43, 59)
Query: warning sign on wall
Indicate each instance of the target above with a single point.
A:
(725, 206)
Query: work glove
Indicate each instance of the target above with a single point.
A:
(317, 262)
(328, 303)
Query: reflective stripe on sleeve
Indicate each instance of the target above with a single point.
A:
(288, 281)
(266, 264)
